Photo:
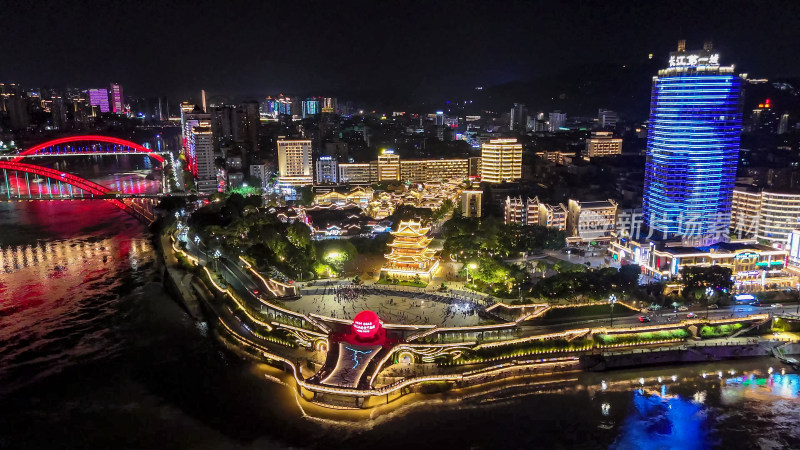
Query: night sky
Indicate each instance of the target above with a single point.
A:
(369, 49)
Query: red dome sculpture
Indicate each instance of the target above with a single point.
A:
(366, 324)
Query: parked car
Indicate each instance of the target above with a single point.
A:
(690, 316)
(644, 319)
(682, 308)
(777, 305)
(713, 306)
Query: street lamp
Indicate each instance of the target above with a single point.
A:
(472, 266)
(217, 254)
(612, 301)
(709, 293)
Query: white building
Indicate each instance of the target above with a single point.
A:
(765, 215)
(294, 163)
(201, 145)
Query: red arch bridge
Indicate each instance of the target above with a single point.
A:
(61, 185)
(87, 144)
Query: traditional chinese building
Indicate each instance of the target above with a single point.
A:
(410, 256)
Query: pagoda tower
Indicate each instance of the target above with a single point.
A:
(410, 255)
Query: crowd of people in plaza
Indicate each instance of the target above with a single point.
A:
(399, 306)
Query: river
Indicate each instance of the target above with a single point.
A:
(94, 354)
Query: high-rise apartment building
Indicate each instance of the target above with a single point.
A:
(294, 163)
(519, 118)
(117, 100)
(201, 145)
(692, 148)
(501, 161)
(558, 120)
(192, 116)
(603, 143)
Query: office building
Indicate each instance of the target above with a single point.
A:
(501, 161)
(294, 163)
(99, 98)
(603, 143)
(692, 148)
(327, 170)
(117, 100)
(692, 152)
(471, 200)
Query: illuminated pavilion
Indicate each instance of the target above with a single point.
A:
(410, 255)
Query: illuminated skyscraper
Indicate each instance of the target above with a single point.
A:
(117, 100)
(692, 148)
(501, 161)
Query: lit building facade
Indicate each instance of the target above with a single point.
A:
(410, 256)
(754, 267)
(692, 148)
(425, 170)
(117, 100)
(99, 98)
(294, 163)
(356, 173)
(603, 143)
(471, 200)
(191, 117)
(514, 210)
(327, 170)
(201, 146)
(553, 216)
(388, 166)
(501, 161)
(360, 196)
(765, 215)
(591, 221)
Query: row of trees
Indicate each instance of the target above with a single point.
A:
(471, 237)
(591, 284)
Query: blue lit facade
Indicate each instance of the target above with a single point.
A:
(692, 149)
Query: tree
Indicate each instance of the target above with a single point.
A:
(629, 275)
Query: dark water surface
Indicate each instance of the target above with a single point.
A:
(94, 354)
